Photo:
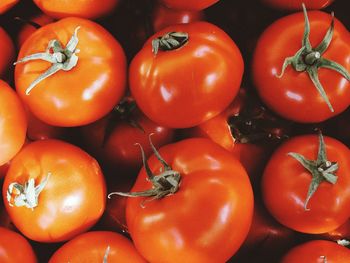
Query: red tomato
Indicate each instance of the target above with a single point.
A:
(82, 8)
(15, 248)
(70, 191)
(6, 5)
(163, 16)
(13, 123)
(188, 4)
(318, 251)
(97, 246)
(297, 4)
(83, 94)
(286, 185)
(28, 29)
(294, 96)
(7, 52)
(208, 74)
(206, 219)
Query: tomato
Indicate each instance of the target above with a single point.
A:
(296, 4)
(82, 8)
(29, 28)
(163, 16)
(78, 94)
(318, 251)
(208, 214)
(15, 248)
(310, 202)
(70, 191)
(13, 123)
(6, 5)
(7, 52)
(208, 74)
(294, 95)
(340, 233)
(97, 246)
(188, 4)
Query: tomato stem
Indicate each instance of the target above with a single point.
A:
(29, 22)
(169, 41)
(105, 257)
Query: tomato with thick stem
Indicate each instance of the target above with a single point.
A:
(7, 52)
(305, 185)
(54, 191)
(13, 123)
(15, 248)
(83, 8)
(297, 4)
(318, 251)
(189, 81)
(6, 5)
(97, 246)
(300, 67)
(208, 213)
(188, 4)
(84, 79)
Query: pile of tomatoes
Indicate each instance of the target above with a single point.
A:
(174, 131)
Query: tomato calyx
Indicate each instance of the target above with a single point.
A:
(308, 59)
(61, 58)
(324, 259)
(320, 169)
(165, 183)
(25, 195)
(169, 41)
(343, 242)
(28, 22)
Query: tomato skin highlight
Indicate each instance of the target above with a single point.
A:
(214, 203)
(91, 247)
(71, 202)
(294, 96)
(83, 94)
(297, 4)
(285, 184)
(184, 87)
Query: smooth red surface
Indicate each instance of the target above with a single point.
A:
(188, 4)
(297, 4)
(7, 52)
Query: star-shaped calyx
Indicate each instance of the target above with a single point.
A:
(321, 169)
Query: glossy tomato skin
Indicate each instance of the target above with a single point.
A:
(15, 248)
(297, 4)
(7, 52)
(285, 185)
(184, 87)
(72, 200)
(92, 246)
(188, 4)
(6, 5)
(13, 123)
(293, 96)
(315, 251)
(209, 215)
(83, 8)
(87, 92)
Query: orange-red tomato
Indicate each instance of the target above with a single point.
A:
(83, 94)
(188, 4)
(6, 5)
(318, 251)
(206, 219)
(7, 52)
(96, 246)
(72, 196)
(82, 8)
(13, 123)
(15, 248)
(297, 4)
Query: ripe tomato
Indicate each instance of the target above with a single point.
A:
(297, 4)
(203, 75)
(13, 123)
(6, 5)
(15, 248)
(206, 218)
(86, 92)
(294, 95)
(308, 203)
(188, 4)
(82, 8)
(54, 191)
(28, 29)
(7, 52)
(318, 251)
(163, 16)
(97, 246)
